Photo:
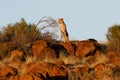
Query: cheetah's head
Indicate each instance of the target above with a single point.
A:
(60, 20)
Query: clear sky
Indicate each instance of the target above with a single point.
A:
(84, 18)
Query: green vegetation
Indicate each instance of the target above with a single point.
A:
(113, 36)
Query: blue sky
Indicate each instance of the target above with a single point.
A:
(84, 18)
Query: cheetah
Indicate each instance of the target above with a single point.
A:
(63, 30)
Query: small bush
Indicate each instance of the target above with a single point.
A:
(20, 35)
(113, 37)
